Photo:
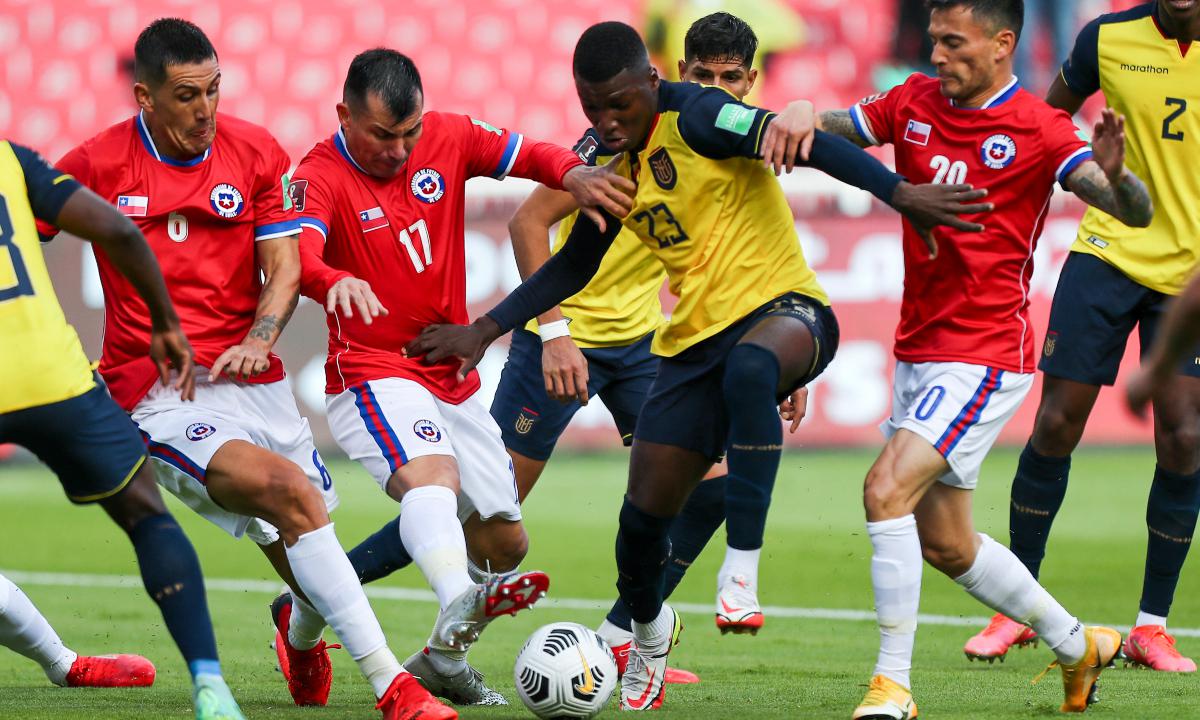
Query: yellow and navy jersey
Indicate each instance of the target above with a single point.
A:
(1154, 81)
(41, 358)
(621, 304)
(713, 214)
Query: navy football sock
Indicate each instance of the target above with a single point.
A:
(172, 577)
(1037, 493)
(1170, 521)
(701, 516)
(381, 554)
(642, 549)
(755, 442)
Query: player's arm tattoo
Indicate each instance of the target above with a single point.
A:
(1128, 200)
(839, 122)
(270, 323)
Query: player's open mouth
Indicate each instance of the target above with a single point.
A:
(1182, 4)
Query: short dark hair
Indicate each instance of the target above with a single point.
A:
(389, 74)
(720, 36)
(169, 41)
(1000, 14)
(607, 48)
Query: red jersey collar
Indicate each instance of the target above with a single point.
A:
(148, 143)
(339, 141)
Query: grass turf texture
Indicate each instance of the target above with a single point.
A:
(817, 556)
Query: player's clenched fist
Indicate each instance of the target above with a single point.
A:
(600, 187)
(349, 294)
(794, 408)
(465, 342)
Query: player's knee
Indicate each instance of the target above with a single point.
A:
(140, 499)
(952, 559)
(293, 500)
(1178, 446)
(883, 498)
(509, 550)
(1057, 429)
(750, 372)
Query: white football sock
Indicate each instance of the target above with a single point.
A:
(434, 538)
(24, 630)
(739, 562)
(1145, 618)
(652, 637)
(325, 575)
(613, 635)
(999, 580)
(305, 626)
(896, 568)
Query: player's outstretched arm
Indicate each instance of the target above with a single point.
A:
(563, 275)
(1176, 336)
(279, 259)
(564, 368)
(86, 215)
(1105, 183)
(839, 122)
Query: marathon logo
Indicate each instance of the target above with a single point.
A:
(1148, 69)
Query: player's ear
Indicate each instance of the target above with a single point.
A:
(682, 69)
(654, 77)
(751, 76)
(142, 96)
(1006, 44)
(343, 111)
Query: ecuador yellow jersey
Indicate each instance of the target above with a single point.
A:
(41, 358)
(713, 215)
(620, 305)
(1155, 83)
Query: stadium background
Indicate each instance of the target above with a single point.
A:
(66, 75)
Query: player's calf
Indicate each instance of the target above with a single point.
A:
(496, 545)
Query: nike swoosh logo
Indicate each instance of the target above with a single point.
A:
(641, 701)
(589, 682)
(728, 609)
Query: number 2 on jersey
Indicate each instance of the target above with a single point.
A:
(1180, 106)
(22, 285)
(406, 239)
(948, 173)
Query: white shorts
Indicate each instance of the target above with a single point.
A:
(384, 424)
(959, 408)
(183, 437)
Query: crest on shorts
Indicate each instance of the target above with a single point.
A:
(663, 169)
(226, 200)
(428, 185)
(998, 151)
(199, 431)
(427, 431)
(1050, 344)
(524, 424)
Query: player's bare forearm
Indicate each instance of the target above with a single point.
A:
(279, 259)
(1128, 199)
(529, 230)
(839, 122)
(87, 216)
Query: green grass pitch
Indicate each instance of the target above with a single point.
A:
(816, 557)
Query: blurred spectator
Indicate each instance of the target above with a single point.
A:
(1045, 20)
(911, 47)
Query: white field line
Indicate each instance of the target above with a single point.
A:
(266, 587)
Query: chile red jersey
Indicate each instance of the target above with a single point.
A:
(404, 236)
(202, 219)
(970, 304)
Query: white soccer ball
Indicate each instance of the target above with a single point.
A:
(565, 671)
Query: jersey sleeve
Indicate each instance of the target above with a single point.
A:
(497, 153)
(717, 125)
(48, 187)
(274, 216)
(310, 199)
(874, 117)
(1065, 150)
(1081, 71)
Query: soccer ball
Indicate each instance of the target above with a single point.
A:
(565, 671)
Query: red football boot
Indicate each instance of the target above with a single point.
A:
(1153, 647)
(993, 642)
(405, 699)
(107, 671)
(309, 673)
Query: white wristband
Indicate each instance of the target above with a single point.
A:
(553, 330)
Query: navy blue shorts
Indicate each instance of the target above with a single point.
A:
(686, 405)
(88, 441)
(1095, 308)
(531, 422)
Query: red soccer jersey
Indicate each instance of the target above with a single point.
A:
(404, 236)
(202, 219)
(970, 304)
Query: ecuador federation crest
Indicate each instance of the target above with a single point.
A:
(663, 169)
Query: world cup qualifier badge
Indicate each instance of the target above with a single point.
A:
(428, 185)
(998, 151)
(226, 200)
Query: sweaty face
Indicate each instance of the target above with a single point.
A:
(728, 73)
(622, 108)
(377, 141)
(1180, 11)
(182, 111)
(966, 53)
